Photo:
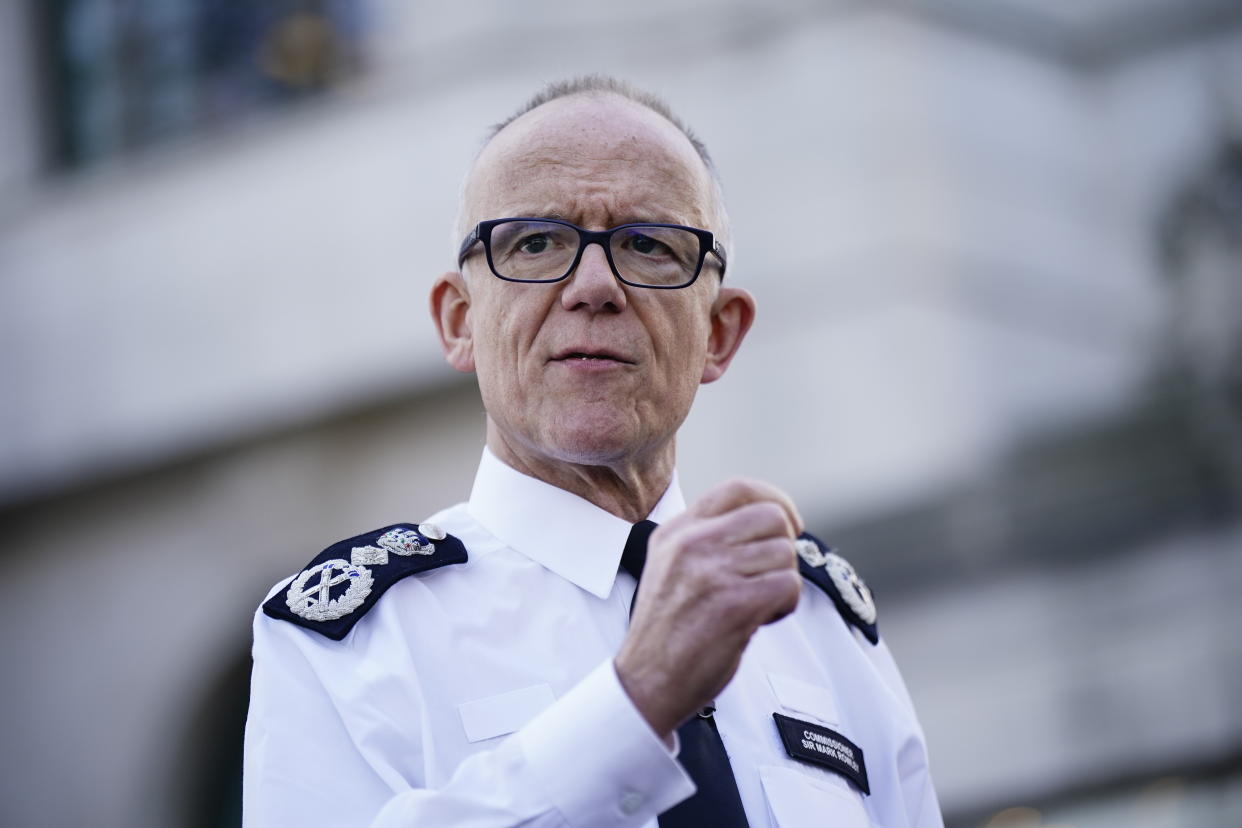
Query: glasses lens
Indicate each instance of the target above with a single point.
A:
(657, 256)
(534, 251)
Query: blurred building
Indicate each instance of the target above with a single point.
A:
(997, 246)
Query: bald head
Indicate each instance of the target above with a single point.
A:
(592, 135)
(600, 84)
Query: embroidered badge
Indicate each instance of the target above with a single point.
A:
(851, 587)
(818, 745)
(809, 552)
(315, 602)
(407, 542)
(343, 582)
(368, 556)
(822, 566)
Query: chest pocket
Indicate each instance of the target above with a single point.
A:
(498, 715)
(799, 801)
(800, 793)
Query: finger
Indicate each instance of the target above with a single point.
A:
(741, 491)
(772, 554)
(719, 537)
(776, 594)
(752, 522)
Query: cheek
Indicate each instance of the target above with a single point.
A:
(502, 335)
(493, 329)
(683, 353)
(692, 331)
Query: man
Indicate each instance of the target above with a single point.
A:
(486, 667)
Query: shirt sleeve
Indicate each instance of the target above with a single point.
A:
(921, 803)
(918, 796)
(588, 759)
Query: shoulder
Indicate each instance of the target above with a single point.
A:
(344, 581)
(822, 566)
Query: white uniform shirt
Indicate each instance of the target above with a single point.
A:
(484, 694)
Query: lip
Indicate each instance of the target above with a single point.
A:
(593, 356)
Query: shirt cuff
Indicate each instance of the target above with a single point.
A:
(598, 760)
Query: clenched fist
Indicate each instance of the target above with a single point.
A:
(713, 576)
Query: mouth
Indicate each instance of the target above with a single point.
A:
(588, 355)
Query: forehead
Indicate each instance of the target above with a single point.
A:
(594, 159)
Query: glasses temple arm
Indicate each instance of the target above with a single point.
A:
(470, 241)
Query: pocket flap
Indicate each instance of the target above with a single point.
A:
(497, 715)
(808, 699)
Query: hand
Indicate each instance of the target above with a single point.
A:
(713, 576)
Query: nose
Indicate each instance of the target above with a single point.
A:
(593, 286)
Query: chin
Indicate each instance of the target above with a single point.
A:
(592, 449)
(596, 438)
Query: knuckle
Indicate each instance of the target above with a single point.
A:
(688, 538)
(783, 550)
(693, 538)
(770, 554)
(795, 590)
(772, 512)
(742, 485)
(771, 517)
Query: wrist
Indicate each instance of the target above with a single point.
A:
(645, 693)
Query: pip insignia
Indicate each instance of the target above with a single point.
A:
(833, 574)
(368, 556)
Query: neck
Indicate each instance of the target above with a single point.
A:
(628, 487)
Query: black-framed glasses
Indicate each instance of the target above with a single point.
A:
(650, 255)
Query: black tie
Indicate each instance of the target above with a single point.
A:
(717, 802)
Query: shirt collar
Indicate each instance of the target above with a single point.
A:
(564, 533)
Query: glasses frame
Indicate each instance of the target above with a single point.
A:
(482, 232)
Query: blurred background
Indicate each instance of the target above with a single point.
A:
(997, 246)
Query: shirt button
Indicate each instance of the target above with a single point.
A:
(631, 801)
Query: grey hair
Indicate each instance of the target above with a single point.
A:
(596, 84)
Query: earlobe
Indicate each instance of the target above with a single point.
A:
(450, 306)
(733, 312)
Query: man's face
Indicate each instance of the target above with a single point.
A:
(597, 162)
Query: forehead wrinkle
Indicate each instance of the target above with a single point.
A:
(597, 190)
(522, 168)
(600, 205)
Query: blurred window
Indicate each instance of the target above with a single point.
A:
(123, 74)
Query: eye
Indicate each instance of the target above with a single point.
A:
(648, 246)
(534, 244)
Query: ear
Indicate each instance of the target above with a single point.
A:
(450, 305)
(732, 315)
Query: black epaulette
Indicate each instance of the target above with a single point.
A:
(344, 581)
(822, 566)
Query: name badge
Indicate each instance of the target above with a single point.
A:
(819, 745)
